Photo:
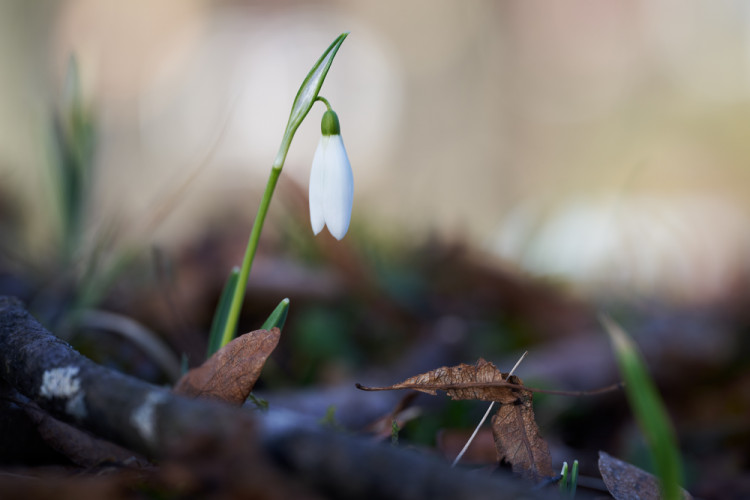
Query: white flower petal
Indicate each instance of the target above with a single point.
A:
(317, 183)
(338, 188)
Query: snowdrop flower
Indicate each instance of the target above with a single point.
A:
(331, 181)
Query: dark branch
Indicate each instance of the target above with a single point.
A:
(154, 421)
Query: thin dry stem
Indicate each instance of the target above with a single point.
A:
(486, 414)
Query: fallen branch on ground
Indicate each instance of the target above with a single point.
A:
(235, 442)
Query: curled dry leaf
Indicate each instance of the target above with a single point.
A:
(514, 429)
(517, 439)
(462, 382)
(230, 374)
(626, 481)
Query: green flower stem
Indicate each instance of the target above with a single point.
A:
(324, 101)
(252, 247)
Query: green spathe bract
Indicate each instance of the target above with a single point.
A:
(649, 410)
(306, 96)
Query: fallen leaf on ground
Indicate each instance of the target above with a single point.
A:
(518, 441)
(482, 381)
(516, 434)
(230, 374)
(626, 481)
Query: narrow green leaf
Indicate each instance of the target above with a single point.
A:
(278, 316)
(573, 479)
(215, 339)
(649, 410)
(260, 403)
(563, 484)
(329, 420)
(74, 142)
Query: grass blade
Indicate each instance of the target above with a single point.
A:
(649, 410)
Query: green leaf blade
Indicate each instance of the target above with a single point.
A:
(649, 410)
(218, 325)
(278, 317)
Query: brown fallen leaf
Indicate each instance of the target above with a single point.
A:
(517, 439)
(516, 434)
(230, 374)
(625, 481)
(482, 381)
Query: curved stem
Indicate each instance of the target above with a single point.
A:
(324, 101)
(230, 328)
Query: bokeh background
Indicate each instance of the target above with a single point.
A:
(519, 167)
(598, 142)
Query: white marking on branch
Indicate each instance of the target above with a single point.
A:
(142, 417)
(63, 382)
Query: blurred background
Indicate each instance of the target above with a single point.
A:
(599, 142)
(518, 166)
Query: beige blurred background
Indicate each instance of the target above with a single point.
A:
(598, 142)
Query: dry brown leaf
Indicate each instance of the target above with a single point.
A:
(516, 434)
(230, 374)
(517, 439)
(460, 382)
(625, 481)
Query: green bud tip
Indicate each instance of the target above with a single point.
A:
(330, 123)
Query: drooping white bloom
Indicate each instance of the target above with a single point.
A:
(331, 181)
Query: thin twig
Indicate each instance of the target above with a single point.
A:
(473, 434)
(470, 385)
(510, 373)
(486, 414)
